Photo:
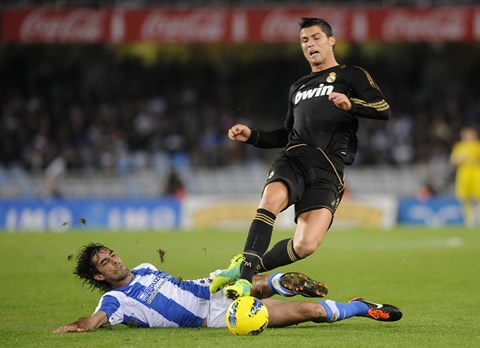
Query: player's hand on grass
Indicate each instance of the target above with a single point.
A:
(340, 100)
(82, 324)
(68, 328)
(239, 132)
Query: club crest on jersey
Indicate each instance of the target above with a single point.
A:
(321, 90)
(331, 77)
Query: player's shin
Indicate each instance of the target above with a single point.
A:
(257, 242)
(281, 254)
(338, 311)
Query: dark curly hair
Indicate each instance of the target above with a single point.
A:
(308, 22)
(86, 269)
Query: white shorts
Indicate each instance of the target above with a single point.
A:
(219, 303)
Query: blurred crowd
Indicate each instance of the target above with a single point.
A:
(98, 111)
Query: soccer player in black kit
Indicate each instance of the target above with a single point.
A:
(318, 139)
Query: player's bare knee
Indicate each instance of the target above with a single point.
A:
(275, 197)
(271, 202)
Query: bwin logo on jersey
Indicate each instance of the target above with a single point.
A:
(321, 90)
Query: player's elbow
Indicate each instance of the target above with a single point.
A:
(386, 114)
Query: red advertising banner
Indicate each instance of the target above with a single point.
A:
(204, 25)
(66, 25)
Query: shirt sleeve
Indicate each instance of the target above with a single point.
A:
(144, 268)
(111, 306)
(269, 139)
(366, 98)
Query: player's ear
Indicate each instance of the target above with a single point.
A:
(332, 40)
(98, 277)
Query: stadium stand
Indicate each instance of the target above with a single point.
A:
(73, 111)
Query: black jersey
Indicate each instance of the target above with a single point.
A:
(314, 120)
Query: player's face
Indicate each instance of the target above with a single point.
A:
(316, 46)
(468, 134)
(110, 266)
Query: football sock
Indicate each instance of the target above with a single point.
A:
(338, 311)
(281, 254)
(275, 287)
(257, 242)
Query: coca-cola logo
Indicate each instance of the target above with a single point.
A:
(76, 26)
(283, 26)
(433, 25)
(194, 26)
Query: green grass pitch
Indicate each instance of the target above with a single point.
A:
(431, 274)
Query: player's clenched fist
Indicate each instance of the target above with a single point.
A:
(239, 132)
(340, 100)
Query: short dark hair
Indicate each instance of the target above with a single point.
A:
(308, 22)
(86, 269)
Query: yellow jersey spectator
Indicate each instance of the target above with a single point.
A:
(465, 157)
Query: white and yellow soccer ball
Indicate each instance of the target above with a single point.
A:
(247, 315)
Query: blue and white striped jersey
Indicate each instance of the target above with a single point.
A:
(157, 299)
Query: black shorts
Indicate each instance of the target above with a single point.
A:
(313, 181)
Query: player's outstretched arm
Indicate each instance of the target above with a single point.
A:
(83, 324)
(263, 139)
(239, 132)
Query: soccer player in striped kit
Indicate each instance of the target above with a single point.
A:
(148, 297)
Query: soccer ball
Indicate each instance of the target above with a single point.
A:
(247, 316)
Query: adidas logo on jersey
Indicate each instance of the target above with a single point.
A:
(321, 90)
